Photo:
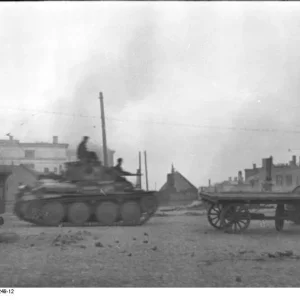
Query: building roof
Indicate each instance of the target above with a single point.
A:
(180, 183)
(34, 144)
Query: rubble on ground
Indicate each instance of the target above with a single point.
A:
(70, 238)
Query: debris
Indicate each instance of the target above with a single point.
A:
(117, 242)
(162, 214)
(154, 248)
(238, 279)
(279, 254)
(87, 233)
(193, 254)
(99, 244)
(69, 239)
(82, 246)
(129, 254)
(145, 242)
(287, 253)
(192, 213)
(134, 238)
(32, 245)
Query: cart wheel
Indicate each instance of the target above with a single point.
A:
(213, 215)
(279, 214)
(235, 218)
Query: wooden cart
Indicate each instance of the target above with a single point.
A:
(232, 211)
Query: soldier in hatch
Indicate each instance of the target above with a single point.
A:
(83, 154)
(119, 169)
(120, 172)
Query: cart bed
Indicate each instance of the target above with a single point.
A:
(250, 197)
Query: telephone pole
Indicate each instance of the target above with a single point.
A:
(146, 170)
(103, 129)
(139, 171)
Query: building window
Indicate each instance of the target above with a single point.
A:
(279, 180)
(46, 170)
(289, 180)
(55, 170)
(29, 153)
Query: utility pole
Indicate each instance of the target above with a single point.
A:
(139, 171)
(146, 169)
(103, 129)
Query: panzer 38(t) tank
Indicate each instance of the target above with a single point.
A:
(86, 194)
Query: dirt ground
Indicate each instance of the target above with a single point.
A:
(175, 250)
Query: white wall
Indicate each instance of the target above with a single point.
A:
(45, 157)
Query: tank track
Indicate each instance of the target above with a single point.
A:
(31, 211)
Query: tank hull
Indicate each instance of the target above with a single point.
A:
(115, 209)
(88, 194)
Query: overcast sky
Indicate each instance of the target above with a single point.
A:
(180, 80)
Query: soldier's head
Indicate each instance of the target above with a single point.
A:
(120, 161)
(85, 139)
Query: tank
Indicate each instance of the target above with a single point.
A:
(86, 194)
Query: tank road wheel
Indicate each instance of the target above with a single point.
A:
(131, 213)
(107, 213)
(279, 214)
(235, 218)
(52, 213)
(214, 215)
(149, 204)
(79, 213)
(33, 211)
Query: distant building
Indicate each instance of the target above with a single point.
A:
(231, 185)
(177, 190)
(285, 177)
(39, 156)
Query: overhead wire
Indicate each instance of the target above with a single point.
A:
(233, 128)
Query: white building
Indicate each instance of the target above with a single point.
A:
(40, 156)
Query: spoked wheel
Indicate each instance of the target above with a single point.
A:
(53, 213)
(214, 215)
(79, 213)
(235, 218)
(131, 213)
(279, 217)
(107, 213)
